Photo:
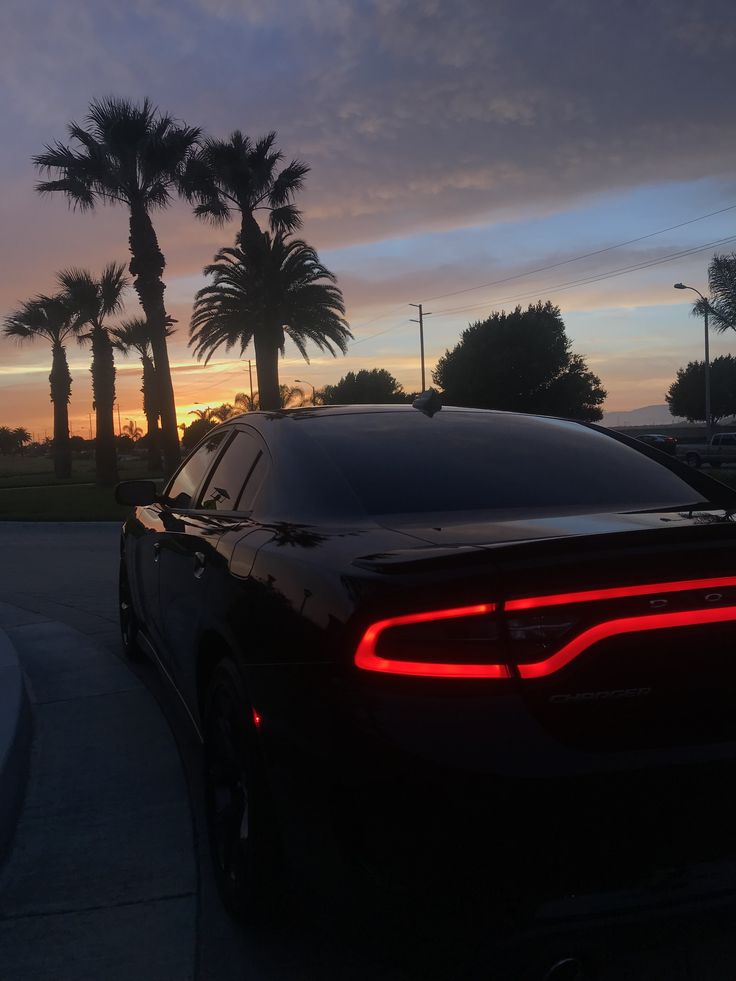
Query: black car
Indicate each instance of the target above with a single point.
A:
(468, 657)
(667, 444)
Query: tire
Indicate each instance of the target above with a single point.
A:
(128, 620)
(242, 840)
(693, 460)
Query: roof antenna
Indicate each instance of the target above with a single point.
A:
(428, 402)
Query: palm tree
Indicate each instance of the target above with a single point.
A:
(50, 318)
(722, 287)
(242, 177)
(20, 437)
(219, 414)
(93, 301)
(264, 302)
(132, 430)
(132, 335)
(132, 155)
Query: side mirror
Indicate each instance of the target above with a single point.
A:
(136, 492)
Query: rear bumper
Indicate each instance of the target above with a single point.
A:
(426, 798)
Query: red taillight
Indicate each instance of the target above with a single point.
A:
(614, 628)
(470, 654)
(366, 656)
(618, 592)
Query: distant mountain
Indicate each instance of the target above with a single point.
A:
(647, 415)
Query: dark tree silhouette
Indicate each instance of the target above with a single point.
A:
(374, 387)
(686, 395)
(92, 302)
(132, 335)
(195, 431)
(283, 295)
(239, 177)
(132, 155)
(50, 318)
(722, 287)
(522, 362)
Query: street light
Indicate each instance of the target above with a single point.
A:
(300, 382)
(682, 286)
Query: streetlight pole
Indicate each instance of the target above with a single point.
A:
(300, 382)
(706, 309)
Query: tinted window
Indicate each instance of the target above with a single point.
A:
(190, 476)
(463, 461)
(225, 485)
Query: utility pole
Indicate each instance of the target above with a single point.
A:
(420, 321)
(250, 375)
(120, 426)
(89, 415)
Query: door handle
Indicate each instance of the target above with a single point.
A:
(156, 551)
(199, 564)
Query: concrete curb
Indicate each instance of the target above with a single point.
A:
(15, 739)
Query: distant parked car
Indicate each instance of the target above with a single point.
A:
(720, 449)
(667, 444)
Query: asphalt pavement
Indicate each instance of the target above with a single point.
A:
(108, 876)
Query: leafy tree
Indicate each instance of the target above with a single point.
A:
(50, 318)
(686, 395)
(239, 177)
(93, 301)
(377, 387)
(132, 335)
(522, 362)
(195, 431)
(132, 155)
(284, 295)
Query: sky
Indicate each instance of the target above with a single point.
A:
(464, 155)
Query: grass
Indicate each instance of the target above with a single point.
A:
(30, 492)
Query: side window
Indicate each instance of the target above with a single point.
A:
(728, 440)
(225, 486)
(255, 480)
(186, 482)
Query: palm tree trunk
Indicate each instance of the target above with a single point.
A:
(103, 390)
(150, 410)
(147, 266)
(61, 389)
(251, 236)
(267, 369)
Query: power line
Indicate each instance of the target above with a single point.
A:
(545, 268)
(585, 255)
(597, 278)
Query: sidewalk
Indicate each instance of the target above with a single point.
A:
(101, 879)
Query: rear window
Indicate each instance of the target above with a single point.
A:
(402, 463)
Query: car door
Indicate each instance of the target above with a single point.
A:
(160, 521)
(191, 568)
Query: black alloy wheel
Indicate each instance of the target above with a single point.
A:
(128, 619)
(241, 842)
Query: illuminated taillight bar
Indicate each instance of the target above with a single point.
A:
(617, 592)
(615, 628)
(366, 657)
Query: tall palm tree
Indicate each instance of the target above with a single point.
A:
(132, 430)
(219, 414)
(241, 177)
(282, 296)
(93, 301)
(132, 155)
(50, 318)
(132, 335)
(722, 287)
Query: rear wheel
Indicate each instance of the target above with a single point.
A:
(241, 836)
(693, 460)
(128, 619)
